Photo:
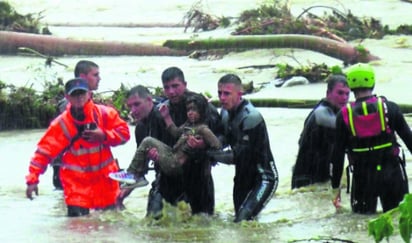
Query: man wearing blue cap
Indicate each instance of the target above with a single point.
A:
(88, 71)
(82, 135)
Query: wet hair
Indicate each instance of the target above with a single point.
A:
(230, 79)
(172, 73)
(84, 66)
(140, 91)
(334, 79)
(201, 104)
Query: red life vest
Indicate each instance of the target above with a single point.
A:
(368, 119)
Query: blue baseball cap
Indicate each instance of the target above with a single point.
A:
(76, 84)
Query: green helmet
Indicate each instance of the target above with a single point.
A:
(360, 75)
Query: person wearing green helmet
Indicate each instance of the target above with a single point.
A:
(366, 130)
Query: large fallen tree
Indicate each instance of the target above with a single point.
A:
(343, 51)
(10, 42)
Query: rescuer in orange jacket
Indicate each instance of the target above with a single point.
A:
(83, 134)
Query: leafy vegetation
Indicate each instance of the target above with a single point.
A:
(11, 20)
(274, 17)
(383, 227)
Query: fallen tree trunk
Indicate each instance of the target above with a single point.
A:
(283, 103)
(10, 42)
(339, 50)
(298, 103)
(116, 25)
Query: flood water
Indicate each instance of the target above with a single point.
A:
(290, 215)
(305, 215)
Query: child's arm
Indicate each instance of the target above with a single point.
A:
(209, 137)
(170, 125)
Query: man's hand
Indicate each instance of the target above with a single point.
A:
(152, 154)
(30, 189)
(95, 135)
(164, 111)
(336, 198)
(196, 142)
(222, 156)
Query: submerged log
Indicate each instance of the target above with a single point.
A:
(281, 103)
(299, 103)
(10, 42)
(336, 49)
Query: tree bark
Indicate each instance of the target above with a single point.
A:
(10, 42)
(339, 50)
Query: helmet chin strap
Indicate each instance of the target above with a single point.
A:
(77, 113)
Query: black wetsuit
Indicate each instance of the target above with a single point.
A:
(315, 146)
(196, 185)
(378, 170)
(61, 106)
(256, 176)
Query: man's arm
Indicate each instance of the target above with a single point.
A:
(338, 155)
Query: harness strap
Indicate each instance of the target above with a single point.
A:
(365, 112)
(352, 127)
(381, 114)
(367, 149)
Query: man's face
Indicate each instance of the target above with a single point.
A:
(92, 77)
(339, 95)
(229, 95)
(139, 107)
(174, 90)
(78, 98)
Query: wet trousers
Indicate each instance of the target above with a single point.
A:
(167, 159)
(249, 202)
(389, 184)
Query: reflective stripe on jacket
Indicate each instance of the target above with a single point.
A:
(85, 165)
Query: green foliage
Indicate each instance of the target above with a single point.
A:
(207, 94)
(382, 226)
(224, 22)
(13, 21)
(336, 70)
(274, 17)
(313, 72)
(405, 218)
(119, 100)
(24, 108)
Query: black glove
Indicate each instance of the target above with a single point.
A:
(225, 157)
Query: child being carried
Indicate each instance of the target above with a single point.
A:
(170, 159)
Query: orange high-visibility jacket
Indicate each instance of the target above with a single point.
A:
(85, 165)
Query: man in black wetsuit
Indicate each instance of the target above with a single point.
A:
(256, 176)
(318, 136)
(195, 186)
